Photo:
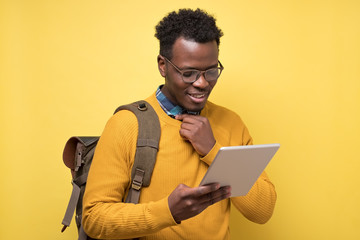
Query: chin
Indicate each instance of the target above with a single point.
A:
(194, 109)
(192, 106)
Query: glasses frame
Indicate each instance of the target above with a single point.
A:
(221, 68)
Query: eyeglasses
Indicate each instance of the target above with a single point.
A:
(191, 75)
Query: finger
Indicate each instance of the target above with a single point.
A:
(184, 134)
(217, 195)
(206, 189)
(214, 197)
(180, 117)
(186, 125)
(193, 124)
(196, 192)
(188, 117)
(219, 198)
(222, 193)
(188, 131)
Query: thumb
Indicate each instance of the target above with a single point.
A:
(179, 117)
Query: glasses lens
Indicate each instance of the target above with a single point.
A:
(190, 76)
(212, 74)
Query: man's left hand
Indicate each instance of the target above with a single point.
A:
(197, 130)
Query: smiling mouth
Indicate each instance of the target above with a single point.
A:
(199, 95)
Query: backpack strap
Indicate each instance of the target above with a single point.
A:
(146, 148)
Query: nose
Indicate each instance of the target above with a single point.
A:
(201, 81)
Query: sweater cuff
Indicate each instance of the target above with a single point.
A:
(208, 158)
(161, 214)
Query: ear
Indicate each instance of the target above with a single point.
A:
(161, 65)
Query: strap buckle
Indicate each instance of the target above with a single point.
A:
(138, 179)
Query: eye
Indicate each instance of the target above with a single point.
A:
(189, 74)
(214, 72)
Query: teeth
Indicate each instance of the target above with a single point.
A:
(197, 95)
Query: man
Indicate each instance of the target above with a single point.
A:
(192, 131)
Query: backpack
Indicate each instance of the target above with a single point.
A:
(78, 154)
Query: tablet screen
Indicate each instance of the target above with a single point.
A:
(239, 166)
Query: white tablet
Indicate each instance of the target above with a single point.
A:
(239, 166)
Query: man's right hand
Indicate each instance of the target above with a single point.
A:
(185, 202)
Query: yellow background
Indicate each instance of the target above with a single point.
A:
(292, 71)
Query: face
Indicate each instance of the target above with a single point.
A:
(188, 54)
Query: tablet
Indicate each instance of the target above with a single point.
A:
(239, 166)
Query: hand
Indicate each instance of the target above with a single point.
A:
(197, 130)
(185, 202)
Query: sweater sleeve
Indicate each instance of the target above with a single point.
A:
(105, 216)
(258, 205)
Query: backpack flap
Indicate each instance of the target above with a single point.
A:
(73, 151)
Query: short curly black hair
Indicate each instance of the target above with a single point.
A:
(196, 25)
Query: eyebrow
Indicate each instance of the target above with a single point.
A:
(192, 68)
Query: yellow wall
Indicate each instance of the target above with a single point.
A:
(292, 71)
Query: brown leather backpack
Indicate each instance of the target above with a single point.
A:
(78, 154)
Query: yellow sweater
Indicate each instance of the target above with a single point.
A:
(106, 217)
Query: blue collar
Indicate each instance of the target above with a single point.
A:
(169, 108)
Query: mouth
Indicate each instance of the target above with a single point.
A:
(197, 97)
